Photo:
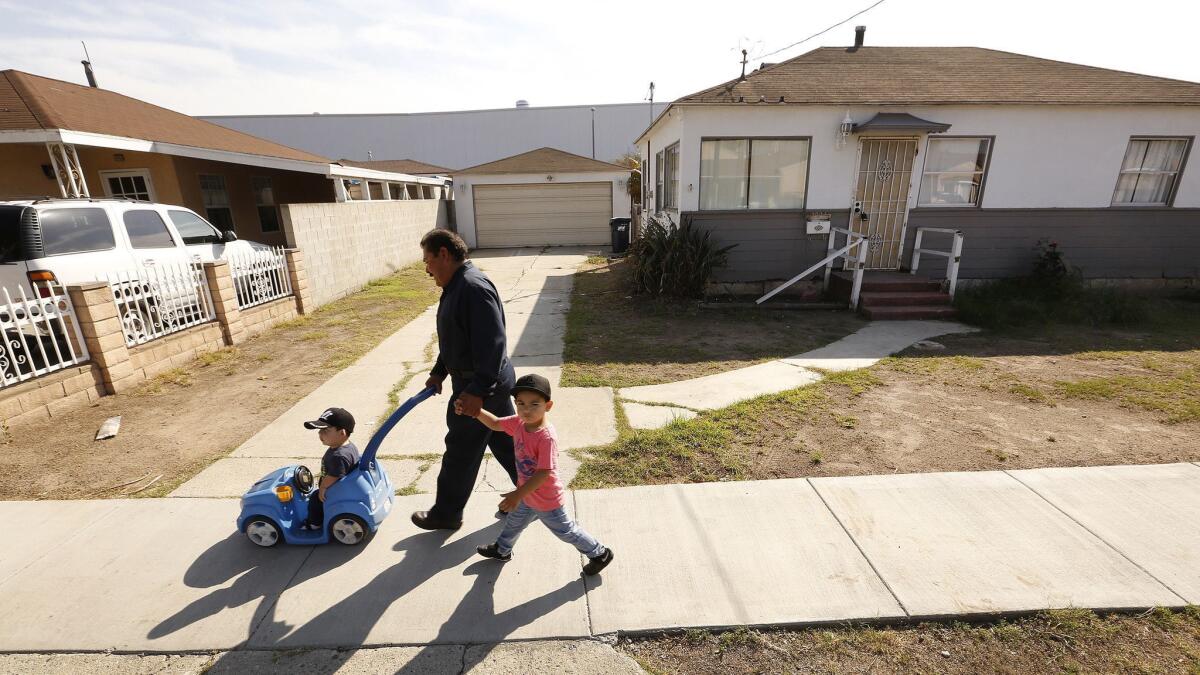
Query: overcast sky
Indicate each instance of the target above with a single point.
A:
(236, 57)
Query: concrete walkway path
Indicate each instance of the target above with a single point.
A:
(535, 287)
(655, 406)
(171, 574)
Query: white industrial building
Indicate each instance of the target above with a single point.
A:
(458, 139)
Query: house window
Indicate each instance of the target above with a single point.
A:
(394, 191)
(128, 184)
(1150, 171)
(264, 199)
(753, 173)
(216, 201)
(671, 177)
(658, 181)
(954, 171)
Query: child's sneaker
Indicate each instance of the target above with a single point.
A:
(493, 551)
(594, 565)
(309, 527)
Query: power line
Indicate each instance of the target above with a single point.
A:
(847, 19)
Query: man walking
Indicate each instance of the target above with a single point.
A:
(473, 351)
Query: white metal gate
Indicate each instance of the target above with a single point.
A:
(882, 184)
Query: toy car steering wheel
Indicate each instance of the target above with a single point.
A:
(303, 479)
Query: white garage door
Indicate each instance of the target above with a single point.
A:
(551, 214)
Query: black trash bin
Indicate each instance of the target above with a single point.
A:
(619, 227)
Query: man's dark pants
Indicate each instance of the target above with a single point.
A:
(465, 441)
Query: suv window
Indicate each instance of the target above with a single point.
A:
(147, 230)
(75, 231)
(10, 234)
(193, 229)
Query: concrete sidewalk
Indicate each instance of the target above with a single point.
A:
(172, 575)
(654, 406)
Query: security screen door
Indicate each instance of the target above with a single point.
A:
(882, 185)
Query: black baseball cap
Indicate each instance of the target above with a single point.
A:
(534, 383)
(338, 418)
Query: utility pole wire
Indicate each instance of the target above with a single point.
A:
(846, 20)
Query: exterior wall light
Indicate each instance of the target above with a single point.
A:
(844, 129)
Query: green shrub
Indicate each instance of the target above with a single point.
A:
(1054, 291)
(674, 260)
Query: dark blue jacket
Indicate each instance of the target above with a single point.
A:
(471, 339)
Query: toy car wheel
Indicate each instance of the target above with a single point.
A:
(348, 529)
(263, 532)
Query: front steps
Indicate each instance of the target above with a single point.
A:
(895, 296)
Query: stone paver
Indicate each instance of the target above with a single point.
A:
(654, 416)
(725, 554)
(158, 574)
(952, 544)
(414, 587)
(1148, 513)
(232, 476)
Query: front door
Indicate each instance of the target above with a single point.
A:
(882, 185)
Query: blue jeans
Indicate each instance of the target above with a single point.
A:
(559, 523)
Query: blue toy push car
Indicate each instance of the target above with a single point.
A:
(275, 507)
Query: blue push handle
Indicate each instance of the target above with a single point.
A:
(368, 456)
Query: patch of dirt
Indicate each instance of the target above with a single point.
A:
(181, 421)
(966, 420)
(1069, 641)
(621, 340)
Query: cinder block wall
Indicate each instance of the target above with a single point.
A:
(349, 244)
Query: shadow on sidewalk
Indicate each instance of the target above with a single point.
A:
(347, 623)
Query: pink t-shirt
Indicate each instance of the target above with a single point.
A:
(536, 450)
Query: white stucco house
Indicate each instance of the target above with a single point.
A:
(1006, 148)
(544, 197)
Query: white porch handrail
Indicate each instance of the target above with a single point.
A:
(853, 239)
(953, 256)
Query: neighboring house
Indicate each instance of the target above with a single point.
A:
(1009, 149)
(411, 167)
(544, 197)
(67, 140)
(460, 137)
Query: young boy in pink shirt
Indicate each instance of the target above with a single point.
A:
(539, 492)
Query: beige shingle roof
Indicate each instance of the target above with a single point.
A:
(548, 160)
(409, 166)
(942, 75)
(30, 102)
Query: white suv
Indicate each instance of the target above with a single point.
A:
(72, 241)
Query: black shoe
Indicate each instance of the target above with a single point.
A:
(594, 565)
(425, 521)
(493, 551)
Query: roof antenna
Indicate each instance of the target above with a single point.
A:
(370, 156)
(87, 67)
(743, 77)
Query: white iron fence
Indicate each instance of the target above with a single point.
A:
(160, 300)
(40, 331)
(259, 276)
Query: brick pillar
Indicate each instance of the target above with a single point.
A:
(225, 303)
(104, 335)
(298, 275)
